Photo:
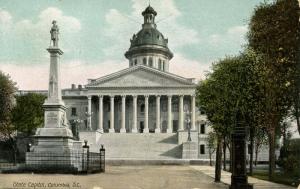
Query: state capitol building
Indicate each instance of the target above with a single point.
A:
(143, 111)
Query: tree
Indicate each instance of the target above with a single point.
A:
(211, 145)
(274, 34)
(7, 90)
(228, 86)
(28, 114)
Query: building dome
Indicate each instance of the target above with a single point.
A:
(149, 46)
(148, 36)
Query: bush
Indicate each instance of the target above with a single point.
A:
(289, 158)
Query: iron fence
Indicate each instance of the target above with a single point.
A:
(81, 161)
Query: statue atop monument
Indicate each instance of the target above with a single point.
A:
(54, 34)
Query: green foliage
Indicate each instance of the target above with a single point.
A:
(274, 34)
(211, 141)
(28, 113)
(290, 157)
(7, 90)
(231, 85)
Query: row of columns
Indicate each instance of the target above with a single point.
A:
(134, 124)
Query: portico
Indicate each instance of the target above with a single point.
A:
(129, 113)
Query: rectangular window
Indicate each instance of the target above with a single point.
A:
(202, 149)
(73, 112)
(202, 129)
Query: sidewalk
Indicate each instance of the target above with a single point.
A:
(226, 179)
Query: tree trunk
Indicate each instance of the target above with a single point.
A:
(210, 162)
(224, 154)
(230, 160)
(218, 160)
(271, 153)
(251, 150)
(256, 154)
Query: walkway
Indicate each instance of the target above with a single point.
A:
(118, 177)
(226, 178)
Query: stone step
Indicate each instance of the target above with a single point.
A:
(137, 145)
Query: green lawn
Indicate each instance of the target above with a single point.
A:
(278, 178)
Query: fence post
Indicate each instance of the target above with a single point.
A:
(86, 149)
(102, 158)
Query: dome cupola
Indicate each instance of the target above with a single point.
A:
(149, 47)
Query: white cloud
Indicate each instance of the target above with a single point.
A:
(182, 66)
(33, 77)
(121, 28)
(5, 20)
(5, 17)
(235, 35)
(25, 33)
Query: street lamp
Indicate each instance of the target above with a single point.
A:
(188, 121)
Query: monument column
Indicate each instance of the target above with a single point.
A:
(157, 125)
(134, 115)
(146, 129)
(193, 104)
(55, 136)
(89, 113)
(169, 129)
(100, 120)
(181, 113)
(112, 114)
(123, 130)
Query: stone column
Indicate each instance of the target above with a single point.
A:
(89, 113)
(181, 113)
(169, 129)
(123, 129)
(157, 129)
(193, 106)
(146, 129)
(112, 114)
(134, 115)
(100, 120)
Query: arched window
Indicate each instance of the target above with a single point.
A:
(159, 64)
(150, 61)
(144, 61)
(142, 108)
(135, 62)
(164, 66)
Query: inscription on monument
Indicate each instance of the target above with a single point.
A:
(52, 118)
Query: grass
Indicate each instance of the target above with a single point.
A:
(279, 177)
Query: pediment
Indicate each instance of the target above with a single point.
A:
(140, 76)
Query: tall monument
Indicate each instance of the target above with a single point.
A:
(55, 138)
(55, 125)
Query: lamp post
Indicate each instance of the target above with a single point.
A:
(188, 122)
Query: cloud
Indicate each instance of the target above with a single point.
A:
(120, 27)
(5, 21)
(185, 67)
(26, 39)
(34, 77)
(233, 36)
(5, 17)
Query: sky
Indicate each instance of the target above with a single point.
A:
(95, 34)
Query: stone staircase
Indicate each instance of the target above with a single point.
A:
(139, 146)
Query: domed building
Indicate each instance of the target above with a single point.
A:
(143, 111)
